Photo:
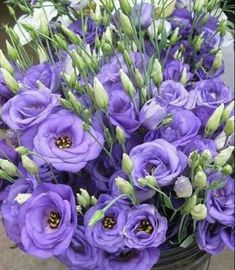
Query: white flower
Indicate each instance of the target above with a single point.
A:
(47, 9)
(78, 4)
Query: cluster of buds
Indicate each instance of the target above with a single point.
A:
(85, 200)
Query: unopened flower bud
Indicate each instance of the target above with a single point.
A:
(65, 103)
(106, 47)
(11, 51)
(98, 215)
(149, 180)
(42, 55)
(227, 111)
(120, 135)
(8, 167)
(206, 157)
(125, 7)
(12, 34)
(184, 77)
(74, 38)
(214, 121)
(126, 24)
(127, 164)
(157, 75)
(100, 95)
(120, 47)
(96, 15)
(229, 126)
(77, 60)
(227, 169)
(193, 159)
(223, 28)
(75, 103)
(22, 150)
(198, 5)
(84, 198)
(223, 156)
(127, 83)
(200, 180)
(44, 29)
(197, 42)
(175, 36)
(4, 63)
(29, 164)
(199, 212)
(124, 186)
(60, 42)
(183, 187)
(190, 203)
(11, 11)
(21, 198)
(10, 80)
(139, 79)
(93, 200)
(3, 175)
(127, 58)
(218, 60)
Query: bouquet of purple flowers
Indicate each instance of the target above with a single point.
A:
(117, 131)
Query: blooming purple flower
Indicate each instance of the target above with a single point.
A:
(80, 254)
(48, 220)
(131, 259)
(45, 73)
(107, 233)
(220, 202)
(145, 227)
(173, 70)
(91, 32)
(62, 141)
(142, 15)
(181, 18)
(158, 158)
(28, 108)
(228, 237)
(208, 237)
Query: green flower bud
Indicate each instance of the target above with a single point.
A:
(10, 81)
(83, 198)
(217, 61)
(223, 156)
(125, 7)
(148, 180)
(199, 212)
(98, 215)
(4, 63)
(86, 127)
(77, 106)
(223, 28)
(190, 203)
(227, 169)
(127, 58)
(106, 47)
(12, 34)
(29, 164)
(65, 103)
(197, 42)
(193, 159)
(126, 24)
(96, 16)
(139, 79)
(109, 5)
(227, 112)
(108, 35)
(206, 157)
(42, 55)
(200, 180)
(60, 42)
(157, 75)
(184, 77)
(3, 175)
(93, 200)
(124, 186)
(120, 135)
(11, 51)
(199, 64)
(183, 187)
(74, 38)
(100, 95)
(22, 150)
(120, 47)
(127, 164)
(198, 6)
(229, 127)
(127, 83)
(44, 29)
(175, 36)
(24, 8)
(214, 121)
(205, 18)
(8, 167)
(77, 61)
(11, 11)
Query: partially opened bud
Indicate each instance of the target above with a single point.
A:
(8, 167)
(10, 81)
(100, 95)
(223, 156)
(60, 42)
(84, 198)
(42, 55)
(124, 186)
(127, 83)
(214, 121)
(199, 212)
(206, 157)
(127, 164)
(29, 164)
(157, 75)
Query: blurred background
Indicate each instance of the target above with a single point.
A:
(13, 259)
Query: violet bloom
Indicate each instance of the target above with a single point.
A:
(80, 254)
(62, 141)
(228, 237)
(91, 32)
(145, 227)
(173, 70)
(151, 114)
(45, 73)
(131, 259)
(11, 206)
(106, 233)
(208, 237)
(183, 128)
(122, 112)
(28, 108)
(181, 17)
(220, 202)
(142, 15)
(173, 93)
(158, 158)
(48, 220)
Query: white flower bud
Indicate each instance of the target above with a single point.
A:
(127, 83)
(29, 165)
(42, 55)
(127, 164)
(214, 121)
(120, 135)
(10, 80)
(8, 167)
(124, 186)
(183, 187)
(4, 63)
(200, 180)
(100, 95)
(157, 75)
(229, 126)
(199, 212)
(223, 156)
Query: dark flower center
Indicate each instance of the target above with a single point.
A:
(109, 222)
(150, 168)
(54, 220)
(145, 226)
(63, 142)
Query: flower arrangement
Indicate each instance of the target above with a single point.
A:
(117, 131)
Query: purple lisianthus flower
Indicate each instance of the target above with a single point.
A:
(132, 259)
(62, 141)
(145, 227)
(158, 158)
(208, 237)
(29, 108)
(142, 15)
(11, 205)
(183, 128)
(92, 31)
(151, 114)
(228, 237)
(80, 254)
(122, 112)
(106, 233)
(48, 220)
(220, 202)
(173, 93)
(181, 17)
(45, 73)
(173, 70)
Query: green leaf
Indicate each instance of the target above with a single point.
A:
(216, 185)
(188, 241)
